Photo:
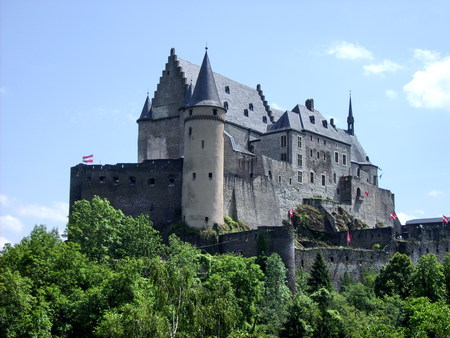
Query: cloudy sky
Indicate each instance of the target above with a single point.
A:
(74, 76)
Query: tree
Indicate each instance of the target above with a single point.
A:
(428, 279)
(395, 277)
(319, 277)
(303, 318)
(446, 265)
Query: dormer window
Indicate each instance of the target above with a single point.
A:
(264, 119)
(246, 112)
(227, 89)
(312, 119)
(250, 106)
(325, 123)
(225, 105)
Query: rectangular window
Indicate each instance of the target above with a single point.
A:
(284, 157)
(279, 179)
(323, 180)
(300, 177)
(210, 176)
(336, 157)
(300, 160)
(283, 141)
(334, 177)
(311, 177)
(299, 141)
(344, 159)
(311, 153)
(203, 144)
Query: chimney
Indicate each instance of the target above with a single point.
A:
(310, 104)
(332, 123)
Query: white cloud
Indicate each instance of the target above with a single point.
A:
(403, 217)
(392, 94)
(426, 56)
(4, 200)
(383, 67)
(276, 106)
(58, 212)
(3, 241)
(10, 223)
(349, 51)
(434, 193)
(430, 87)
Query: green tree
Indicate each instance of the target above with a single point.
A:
(319, 277)
(303, 318)
(427, 319)
(446, 265)
(395, 277)
(428, 279)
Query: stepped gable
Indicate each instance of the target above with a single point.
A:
(358, 155)
(314, 122)
(238, 98)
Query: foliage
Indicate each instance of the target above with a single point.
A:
(303, 318)
(319, 277)
(395, 277)
(428, 279)
(231, 225)
(446, 266)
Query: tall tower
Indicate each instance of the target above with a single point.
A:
(204, 117)
(350, 119)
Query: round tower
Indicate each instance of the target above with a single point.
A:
(204, 116)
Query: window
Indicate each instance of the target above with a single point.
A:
(325, 142)
(264, 118)
(334, 177)
(344, 159)
(171, 181)
(324, 156)
(311, 177)
(132, 180)
(225, 105)
(290, 181)
(279, 179)
(190, 131)
(246, 112)
(300, 176)
(318, 154)
(323, 180)
(203, 144)
(210, 176)
(250, 106)
(336, 157)
(194, 175)
(299, 142)
(227, 89)
(206, 219)
(312, 119)
(214, 111)
(190, 112)
(300, 160)
(102, 179)
(151, 181)
(284, 157)
(311, 153)
(283, 141)
(116, 180)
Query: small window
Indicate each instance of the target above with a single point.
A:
(284, 157)
(270, 175)
(325, 142)
(311, 177)
(190, 112)
(132, 180)
(227, 89)
(290, 181)
(264, 118)
(311, 137)
(299, 142)
(344, 159)
(318, 154)
(324, 156)
(210, 176)
(102, 179)
(116, 180)
(225, 105)
(299, 160)
(171, 180)
(151, 181)
(214, 111)
(283, 141)
(311, 153)
(279, 179)
(245, 112)
(312, 119)
(206, 219)
(203, 144)
(300, 176)
(323, 180)
(336, 157)
(194, 176)
(334, 177)
(190, 131)
(250, 106)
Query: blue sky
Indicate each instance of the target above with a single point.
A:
(74, 76)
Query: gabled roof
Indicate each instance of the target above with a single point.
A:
(205, 92)
(289, 120)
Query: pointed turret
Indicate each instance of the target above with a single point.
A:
(205, 92)
(187, 97)
(146, 113)
(350, 119)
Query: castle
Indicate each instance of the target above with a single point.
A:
(210, 147)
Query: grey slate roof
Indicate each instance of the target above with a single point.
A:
(238, 99)
(146, 113)
(205, 92)
(358, 154)
(289, 120)
(424, 221)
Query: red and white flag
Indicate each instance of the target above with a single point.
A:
(367, 193)
(88, 159)
(291, 213)
(393, 215)
(445, 219)
(349, 239)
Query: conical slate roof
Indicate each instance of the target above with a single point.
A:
(146, 113)
(205, 92)
(187, 96)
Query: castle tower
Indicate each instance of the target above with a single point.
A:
(350, 119)
(204, 116)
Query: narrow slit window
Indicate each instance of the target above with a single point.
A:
(210, 176)
(194, 175)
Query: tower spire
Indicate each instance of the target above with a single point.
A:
(350, 118)
(205, 92)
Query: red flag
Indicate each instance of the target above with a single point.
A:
(367, 193)
(88, 159)
(445, 219)
(291, 213)
(349, 239)
(393, 215)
